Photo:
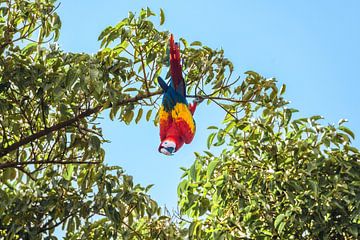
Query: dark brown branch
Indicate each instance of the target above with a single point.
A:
(69, 122)
(127, 225)
(46, 226)
(26, 172)
(213, 99)
(18, 164)
(144, 71)
(142, 64)
(219, 98)
(46, 131)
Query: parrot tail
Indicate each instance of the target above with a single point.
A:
(175, 67)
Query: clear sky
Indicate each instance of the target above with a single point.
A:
(311, 46)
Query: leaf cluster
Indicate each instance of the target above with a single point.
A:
(277, 177)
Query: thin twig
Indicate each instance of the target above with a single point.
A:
(26, 172)
(45, 227)
(219, 98)
(127, 225)
(228, 112)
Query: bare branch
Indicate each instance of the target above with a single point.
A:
(220, 98)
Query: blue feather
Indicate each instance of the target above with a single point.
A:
(163, 84)
(171, 96)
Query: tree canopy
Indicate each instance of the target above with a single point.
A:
(277, 177)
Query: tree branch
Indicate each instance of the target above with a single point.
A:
(127, 225)
(46, 226)
(69, 122)
(46, 131)
(220, 98)
(18, 164)
(26, 172)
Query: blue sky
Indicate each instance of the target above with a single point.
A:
(311, 46)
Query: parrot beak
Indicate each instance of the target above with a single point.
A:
(167, 151)
(167, 147)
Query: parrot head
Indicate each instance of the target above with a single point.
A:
(170, 145)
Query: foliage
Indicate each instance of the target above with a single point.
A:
(87, 202)
(277, 177)
(51, 157)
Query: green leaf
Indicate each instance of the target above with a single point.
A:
(196, 43)
(9, 174)
(181, 187)
(314, 186)
(348, 131)
(219, 143)
(149, 13)
(210, 140)
(248, 95)
(148, 187)
(209, 153)
(354, 230)
(69, 169)
(138, 117)
(279, 219)
(30, 48)
(193, 171)
(184, 42)
(105, 32)
(317, 117)
(95, 142)
(148, 115)
(281, 227)
(252, 73)
(131, 90)
(283, 89)
(341, 121)
(211, 168)
(128, 116)
(162, 16)
(352, 149)
(121, 47)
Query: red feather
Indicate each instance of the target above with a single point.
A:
(164, 127)
(175, 65)
(185, 131)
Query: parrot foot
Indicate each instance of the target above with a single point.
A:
(198, 100)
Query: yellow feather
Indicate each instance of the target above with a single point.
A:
(163, 115)
(182, 111)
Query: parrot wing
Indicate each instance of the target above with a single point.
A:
(165, 121)
(184, 121)
(171, 96)
(169, 109)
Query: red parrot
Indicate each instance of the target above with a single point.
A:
(177, 125)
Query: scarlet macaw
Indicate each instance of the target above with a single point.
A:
(177, 125)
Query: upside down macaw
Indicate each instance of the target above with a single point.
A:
(177, 125)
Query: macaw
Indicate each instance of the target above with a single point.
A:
(177, 125)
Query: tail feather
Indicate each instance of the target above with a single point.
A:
(175, 67)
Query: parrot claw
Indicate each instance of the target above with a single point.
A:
(198, 100)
